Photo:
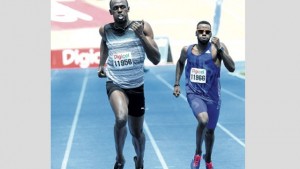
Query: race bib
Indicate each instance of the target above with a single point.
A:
(198, 75)
(123, 60)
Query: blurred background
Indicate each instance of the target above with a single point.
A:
(75, 23)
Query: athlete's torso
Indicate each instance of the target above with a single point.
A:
(202, 75)
(126, 57)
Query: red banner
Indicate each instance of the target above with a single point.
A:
(77, 14)
(75, 58)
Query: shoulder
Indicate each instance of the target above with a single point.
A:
(147, 27)
(184, 48)
(103, 28)
(187, 48)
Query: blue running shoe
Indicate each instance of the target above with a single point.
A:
(195, 164)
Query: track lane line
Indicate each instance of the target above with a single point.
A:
(74, 123)
(155, 146)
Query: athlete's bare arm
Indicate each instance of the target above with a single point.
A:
(223, 54)
(228, 62)
(103, 53)
(144, 31)
(179, 69)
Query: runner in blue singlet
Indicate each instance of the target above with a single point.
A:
(203, 89)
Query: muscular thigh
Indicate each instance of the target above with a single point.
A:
(136, 106)
(198, 105)
(118, 100)
(135, 99)
(213, 111)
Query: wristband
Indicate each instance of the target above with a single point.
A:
(176, 85)
(220, 50)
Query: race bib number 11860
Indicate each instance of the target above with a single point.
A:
(198, 75)
(123, 60)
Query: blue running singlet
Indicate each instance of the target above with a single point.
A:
(202, 76)
(203, 87)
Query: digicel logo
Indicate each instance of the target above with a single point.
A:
(121, 56)
(75, 58)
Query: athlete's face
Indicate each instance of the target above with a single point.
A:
(119, 10)
(203, 33)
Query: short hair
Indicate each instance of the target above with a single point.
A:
(112, 0)
(203, 22)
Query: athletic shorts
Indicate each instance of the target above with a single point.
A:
(198, 105)
(136, 106)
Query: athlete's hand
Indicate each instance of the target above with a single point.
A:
(138, 27)
(101, 72)
(216, 42)
(176, 91)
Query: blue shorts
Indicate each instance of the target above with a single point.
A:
(199, 105)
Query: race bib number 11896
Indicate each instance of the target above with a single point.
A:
(198, 75)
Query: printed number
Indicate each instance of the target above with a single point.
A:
(198, 77)
(123, 62)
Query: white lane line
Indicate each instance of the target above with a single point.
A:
(74, 124)
(154, 145)
(233, 95)
(218, 124)
(231, 135)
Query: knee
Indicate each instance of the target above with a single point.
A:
(210, 132)
(137, 133)
(120, 122)
(203, 118)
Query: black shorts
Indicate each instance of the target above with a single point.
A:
(136, 106)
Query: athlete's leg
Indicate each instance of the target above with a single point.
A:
(209, 143)
(119, 104)
(138, 137)
(200, 112)
(136, 113)
(202, 118)
(213, 113)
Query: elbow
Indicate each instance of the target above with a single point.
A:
(157, 60)
(231, 69)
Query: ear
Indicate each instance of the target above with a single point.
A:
(128, 8)
(110, 11)
(196, 33)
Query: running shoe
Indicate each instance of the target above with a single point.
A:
(135, 162)
(195, 164)
(118, 165)
(209, 165)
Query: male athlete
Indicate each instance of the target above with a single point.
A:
(203, 89)
(123, 47)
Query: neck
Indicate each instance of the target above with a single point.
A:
(201, 46)
(121, 25)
